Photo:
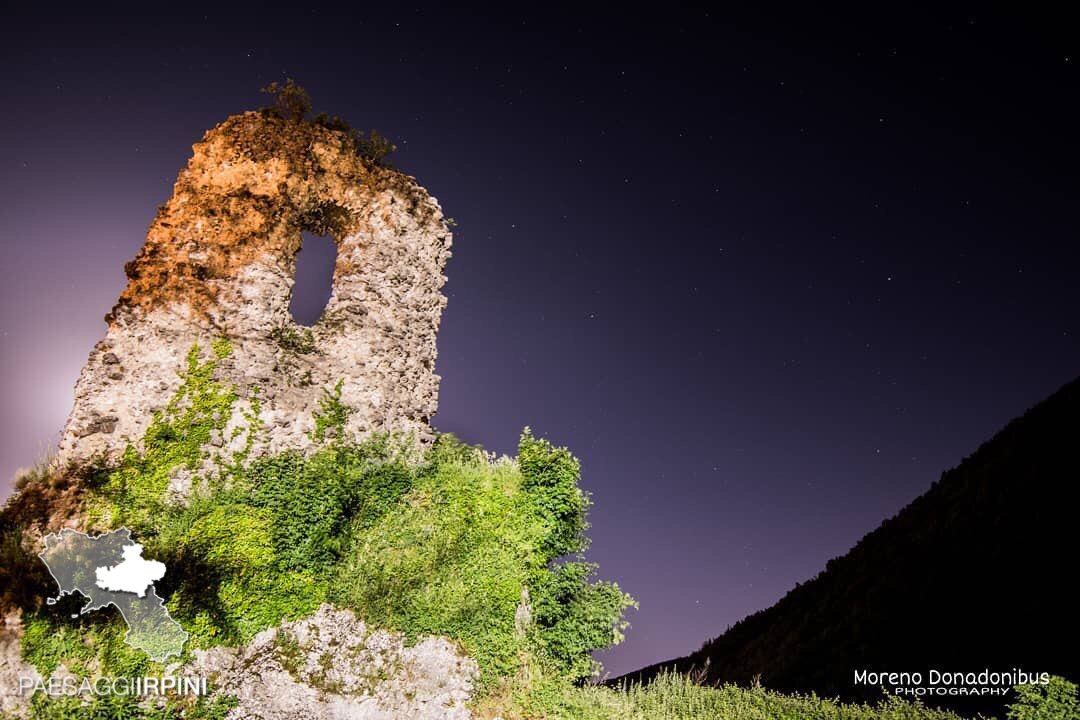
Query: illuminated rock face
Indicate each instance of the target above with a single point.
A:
(219, 261)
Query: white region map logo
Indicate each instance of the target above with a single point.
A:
(109, 569)
(134, 574)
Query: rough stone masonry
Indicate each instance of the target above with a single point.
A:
(219, 260)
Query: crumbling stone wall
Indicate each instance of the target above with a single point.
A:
(219, 260)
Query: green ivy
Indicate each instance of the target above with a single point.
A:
(332, 414)
(134, 494)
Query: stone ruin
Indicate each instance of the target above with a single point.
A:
(219, 261)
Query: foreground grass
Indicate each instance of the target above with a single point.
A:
(679, 697)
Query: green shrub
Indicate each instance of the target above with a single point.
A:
(550, 477)
(1057, 700)
(574, 616)
(474, 537)
(450, 559)
(294, 340)
(246, 555)
(314, 500)
(233, 538)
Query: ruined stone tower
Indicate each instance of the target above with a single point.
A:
(219, 261)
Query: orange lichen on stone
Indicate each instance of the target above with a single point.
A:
(252, 185)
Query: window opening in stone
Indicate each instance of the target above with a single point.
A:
(314, 278)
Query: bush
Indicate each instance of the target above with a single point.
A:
(291, 101)
(450, 559)
(572, 615)
(472, 542)
(550, 477)
(247, 555)
(332, 414)
(1057, 700)
(315, 500)
(575, 616)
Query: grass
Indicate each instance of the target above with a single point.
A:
(678, 697)
(121, 707)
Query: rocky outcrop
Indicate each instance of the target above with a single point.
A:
(219, 261)
(332, 665)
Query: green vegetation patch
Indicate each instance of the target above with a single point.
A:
(1056, 700)
(295, 340)
(678, 697)
(474, 541)
(246, 555)
(443, 540)
(332, 414)
(451, 559)
(292, 102)
(133, 494)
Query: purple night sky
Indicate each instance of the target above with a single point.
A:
(766, 276)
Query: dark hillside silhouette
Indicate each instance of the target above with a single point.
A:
(978, 572)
